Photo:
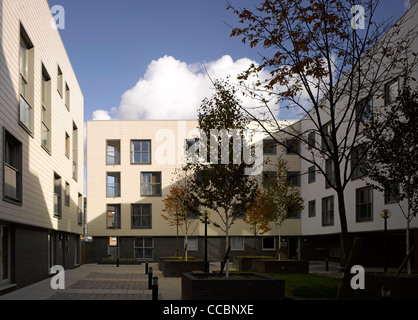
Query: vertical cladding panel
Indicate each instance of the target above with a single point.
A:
(39, 165)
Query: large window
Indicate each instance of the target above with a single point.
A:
(113, 184)
(391, 91)
(143, 248)
(151, 184)
(113, 216)
(358, 163)
(392, 193)
(60, 81)
(57, 196)
(26, 59)
(311, 208)
(12, 186)
(237, 243)
(112, 152)
(46, 110)
(330, 173)
(67, 96)
(80, 209)
(269, 146)
(311, 174)
(141, 216)
(292, 146)
(328, 211)
(268, 243)
(75, 152)
(140, 151)
(294, 178)
(364, 111)
(326, 141)
(364, 204)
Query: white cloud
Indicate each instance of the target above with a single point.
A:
(172, 89)
(101, 115)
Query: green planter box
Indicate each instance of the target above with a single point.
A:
(175, 267)
(240, 286)
(281, 266)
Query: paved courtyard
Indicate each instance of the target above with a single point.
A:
(102, 282)
(109, 282)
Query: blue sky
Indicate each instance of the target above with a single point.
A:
(118, 48)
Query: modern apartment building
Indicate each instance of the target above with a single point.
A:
(41, 147)
(130, 168)
(320, 219)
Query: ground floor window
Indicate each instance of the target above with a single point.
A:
(237, 243)
(269, 243)
(143, 248)
(192, 243)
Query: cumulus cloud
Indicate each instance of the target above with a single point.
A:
(101, 115)
(173, 89)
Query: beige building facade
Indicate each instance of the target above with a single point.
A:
(131, 166)
(41, 146)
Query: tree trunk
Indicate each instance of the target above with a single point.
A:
(227, 245)
(408, 265)
(345, 243)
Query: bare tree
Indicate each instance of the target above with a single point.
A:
(328, 67)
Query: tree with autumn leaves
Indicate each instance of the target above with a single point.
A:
(276, 200)
(181, 211)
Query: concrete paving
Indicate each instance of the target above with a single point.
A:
(109, 282)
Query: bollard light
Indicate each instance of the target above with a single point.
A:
(150, 278)
(154, 288)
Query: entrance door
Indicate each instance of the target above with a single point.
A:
(4, 255)
(294, 248)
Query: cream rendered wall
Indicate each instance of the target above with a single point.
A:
(38, 165)
(168, 138)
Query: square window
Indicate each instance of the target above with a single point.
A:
(269, 243)
(141, 151)
(237, 243)
(151, 184)
(141, 216)
(269, 146)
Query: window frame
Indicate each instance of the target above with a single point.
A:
(58, 179)
(12, 161)
(133, 152)
(369, 215)
(151, 184)
(311, 204)
(141, 215)
(116, 216)
(327, 218)
(241, 244)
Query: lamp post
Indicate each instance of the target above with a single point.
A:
(385, 214)
(206, 242)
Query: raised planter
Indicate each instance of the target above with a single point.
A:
(281, 266)
(239, 286)
(175, 268)
(402, 287)
(245, 263)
